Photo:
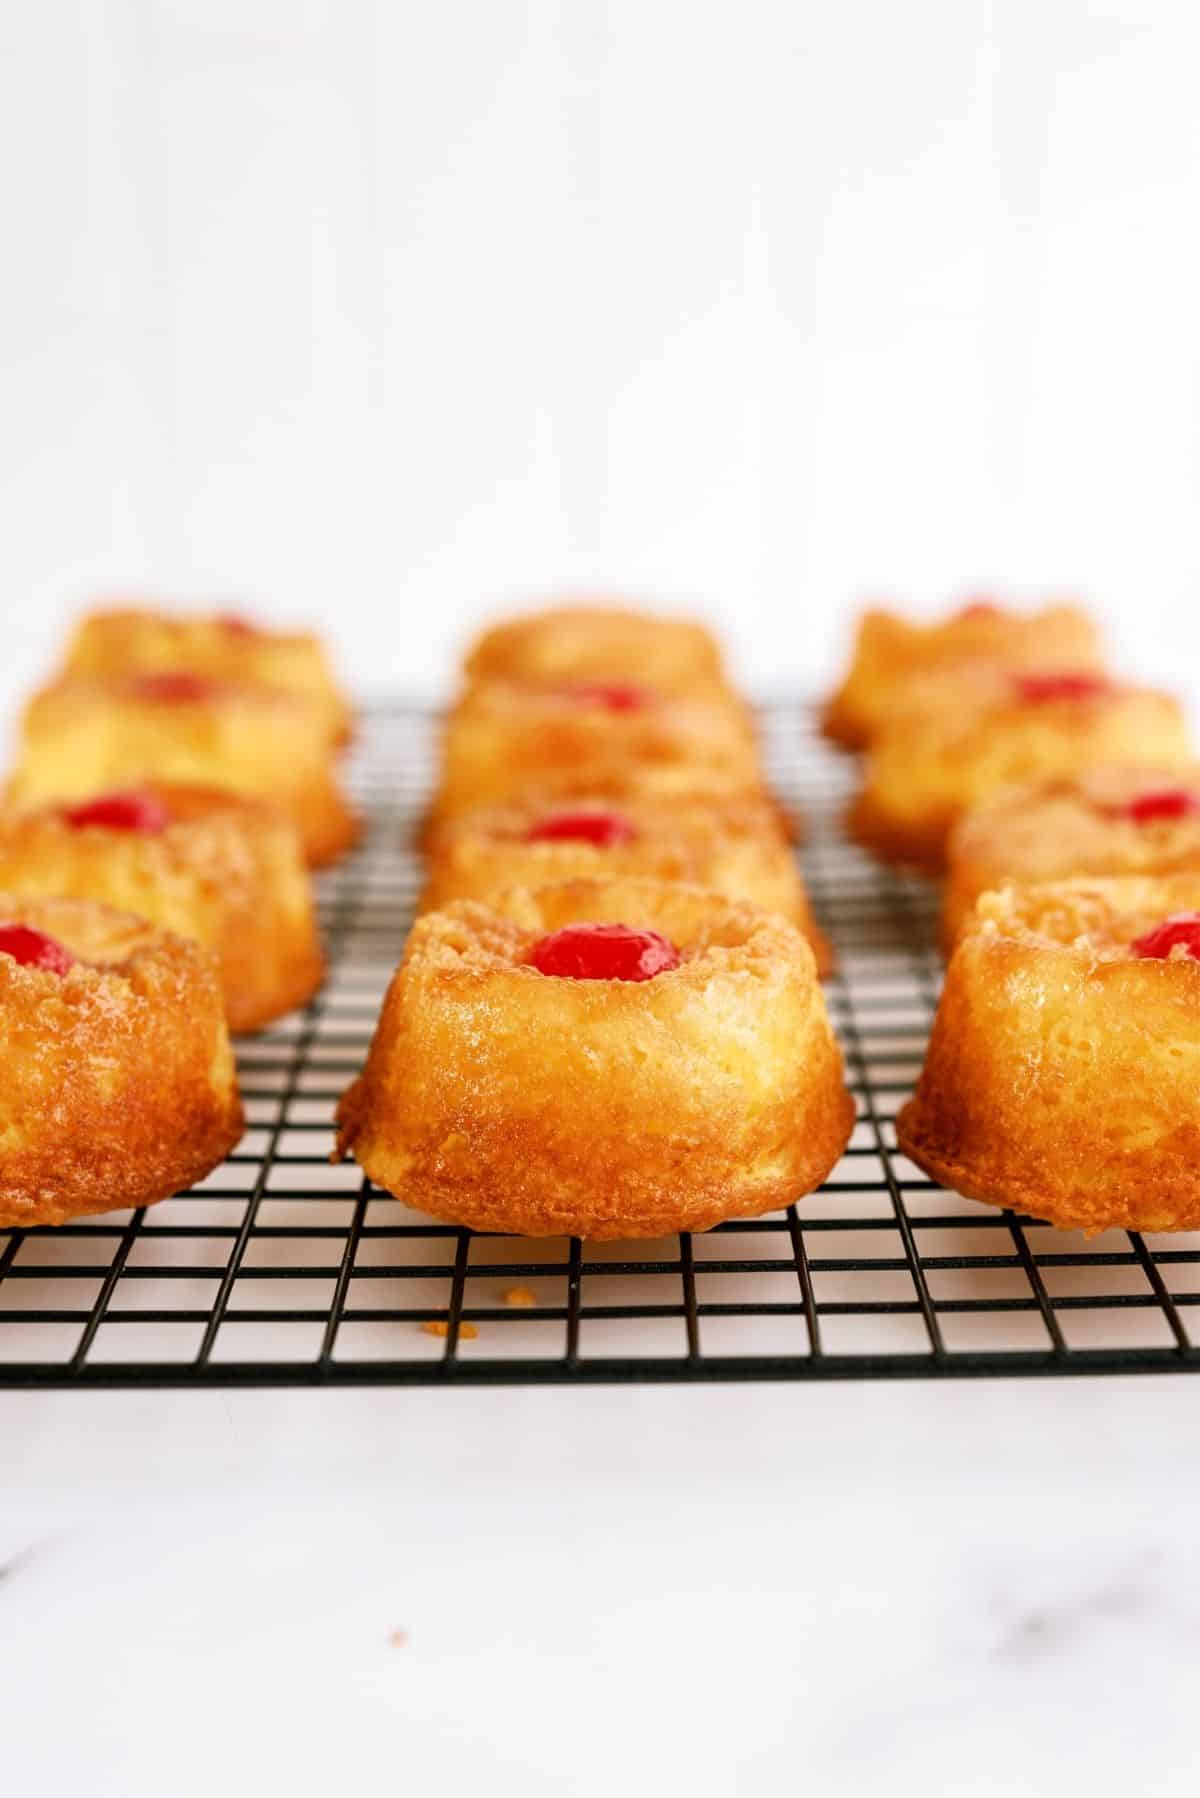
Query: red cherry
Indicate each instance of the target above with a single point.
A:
(1182, 931)
(614, 696)
(603, 952)
(1166, 802)
(604, 829)
(174, 686)
(31, 948)
(1036, 689)
(143, 812)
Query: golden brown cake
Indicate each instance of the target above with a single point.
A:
(1104, 821)
(224, 645)
(972, 732)
(228, 872)
(604, 643)
(622, 783)
(736, 848)
(890, 650)
(119, 1083)
(602, 1058)
(503, 737)
(1063, 1073)
(84, 736)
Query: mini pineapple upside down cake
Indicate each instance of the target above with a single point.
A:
(226, 871)
(601, 1058)
(119, 1086)
(83, 736)
(1063, 1072)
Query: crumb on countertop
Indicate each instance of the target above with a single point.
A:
(438, 1326)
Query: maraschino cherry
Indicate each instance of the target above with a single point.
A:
(175, 686)
(603, 952)
(604, 829)
(1164, 803)
(1037, 689)
(34, 949)
(1180, 932)
(141, 812)
(614, 696)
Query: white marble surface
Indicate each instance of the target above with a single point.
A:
(980, 1589)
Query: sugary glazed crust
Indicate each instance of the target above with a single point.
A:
(82, 736)
(226, 871)
(969, 734)
(583, 642)
(889, 650)
(497, 1097)
(737, 849)
(129, 640)
(1063, 1073)
(119, 1084)
(1067, 828)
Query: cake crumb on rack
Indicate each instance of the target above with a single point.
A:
(437, 1326)
(519, 1297)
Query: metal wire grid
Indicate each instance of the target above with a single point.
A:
(281, 1269)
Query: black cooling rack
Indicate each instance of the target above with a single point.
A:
(282, 1269)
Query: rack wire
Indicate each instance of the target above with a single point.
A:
(283, 1269)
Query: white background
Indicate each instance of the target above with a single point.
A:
(381, 315)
